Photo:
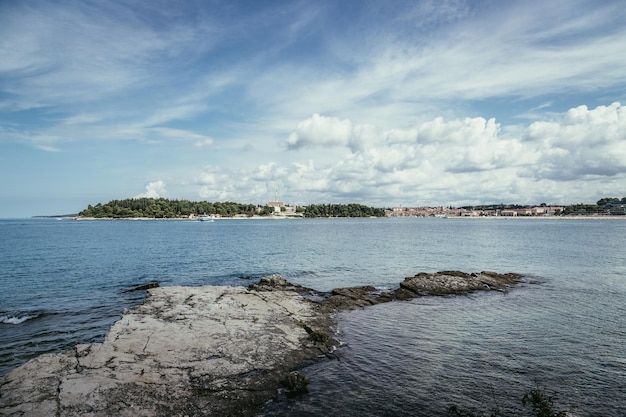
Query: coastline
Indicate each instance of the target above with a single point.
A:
(210, 350)
(572, 217)
(294, 217)
(185, 219)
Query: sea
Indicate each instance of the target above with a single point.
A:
(562, 330)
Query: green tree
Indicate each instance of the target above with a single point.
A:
(604, 201)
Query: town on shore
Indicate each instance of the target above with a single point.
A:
(604, 207)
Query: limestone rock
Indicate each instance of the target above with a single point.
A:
(456, 282)
(271, 283)
(422, 284)
(205, 351)
(348, 298)
(186, 351)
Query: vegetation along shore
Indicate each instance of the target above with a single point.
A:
(163, 208)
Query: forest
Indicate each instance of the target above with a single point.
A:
(166, 208)
(608, 205)
(342, 210)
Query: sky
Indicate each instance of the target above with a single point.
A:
(383, 103)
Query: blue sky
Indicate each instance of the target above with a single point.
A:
(380, 103)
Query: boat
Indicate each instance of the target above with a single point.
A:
(206, 218)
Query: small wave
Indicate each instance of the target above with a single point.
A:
(16, 318)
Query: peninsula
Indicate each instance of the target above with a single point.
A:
(208, 351)
(162, 208)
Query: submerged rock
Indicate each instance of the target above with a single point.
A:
(422, 284)
(295, 383)
(144, 287)
(456, 282)
(273, 282)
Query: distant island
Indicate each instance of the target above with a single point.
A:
(163, 208)
(184, 209)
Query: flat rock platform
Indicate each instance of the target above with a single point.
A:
(205, 351)
(208, 350)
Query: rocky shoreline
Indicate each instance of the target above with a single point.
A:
(208, 351)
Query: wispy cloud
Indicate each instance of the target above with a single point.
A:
(398, 79)
(430, 100)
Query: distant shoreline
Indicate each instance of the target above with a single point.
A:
(542, 217)
(185, 219)
(80, 218)
(288, 217)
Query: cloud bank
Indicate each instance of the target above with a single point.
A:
(459, 161)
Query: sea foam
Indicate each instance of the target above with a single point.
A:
(16, 319)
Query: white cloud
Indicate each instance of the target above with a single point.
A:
(45, 141)
(460, 161)
(397, 136)
(471, 144)
(583, 143)
(321, 131)
(155, 189)
(324, 131)
(218, 184)
(81, 54)
(394, 74)
(204, 143)
(179, 134)
(180, 112)
(47, 148)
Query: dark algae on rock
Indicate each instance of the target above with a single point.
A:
(423, 284)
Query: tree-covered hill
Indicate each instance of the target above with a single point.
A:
(342, 210)
(165, 208)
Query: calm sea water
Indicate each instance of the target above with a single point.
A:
(65, 282)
